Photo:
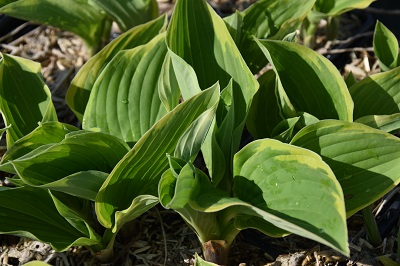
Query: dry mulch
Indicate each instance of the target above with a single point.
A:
(161, 237)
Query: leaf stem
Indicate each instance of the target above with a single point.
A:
(371, 227)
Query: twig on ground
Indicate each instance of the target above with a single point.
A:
(373, 10)
(347, 50)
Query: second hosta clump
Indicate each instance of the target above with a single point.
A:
(157, 95)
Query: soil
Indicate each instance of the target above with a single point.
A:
(161, 237)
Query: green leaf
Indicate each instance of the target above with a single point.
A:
(84, 184)
(265, 112)
(168, 88)
(378, 94)
(79, 151)
(6, 2)
(129, 13)
(386, 47)
(191, 141)
(338, 7)
(185, 76)
(77, 212)
(24, 98)
(36, 263)
(124, 101)
(79, 91)
(387, 123)
(265, 19)
(200, 262)
(295, 185)
(175, 193)
(78, 16)
(350, 80)
(45, 133)
(139, 171)
(366, 161)
(312, 82)
(200, 37)
(34, 215)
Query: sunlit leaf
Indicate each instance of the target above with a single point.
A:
(312, 82)
(139, 171)
(124, 101)
(387, 123)
(386, 47)
(337, 7)
(79, 91)
(265, 19)
(378, 94)
(34, 215)
(24, 98)
(79, 16)
(78, 151)
(129, 13)
(365, 161)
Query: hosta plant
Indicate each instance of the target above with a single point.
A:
(330, 10)
(159, 94)
(91, 20)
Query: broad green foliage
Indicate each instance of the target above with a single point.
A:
(311, 82)
(139, 171)
(78, 16)
(365, 161)
(378, 94)
(156, 96)
(79, 91)
(36, 263)
(129, 13)
(89, 19)
(124, 100)
(265, 19)
(210, 50)
(20, 85)
(30, 212)
(337, 7)
(386, 47)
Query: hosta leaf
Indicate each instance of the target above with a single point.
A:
(24, 98)
(124, 101)
(77, 212)
(312, 82)
(175, 193)
(79, 151)
(36, 263)
(80, 17)
(337, 7)
(265, 112)
(387, 123)
(191, 141)
(139, 171)
(45, 133)
(378, 94)
(129, 13)
(34, 215)
(200, 37)
(201, 262)
(168, 88)
(185, 76)
(266, 19)
(295, 185)
(386, 47)
(350, 80)
(6, 2)
(365, 161)
(79, 91)
(84, 184)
